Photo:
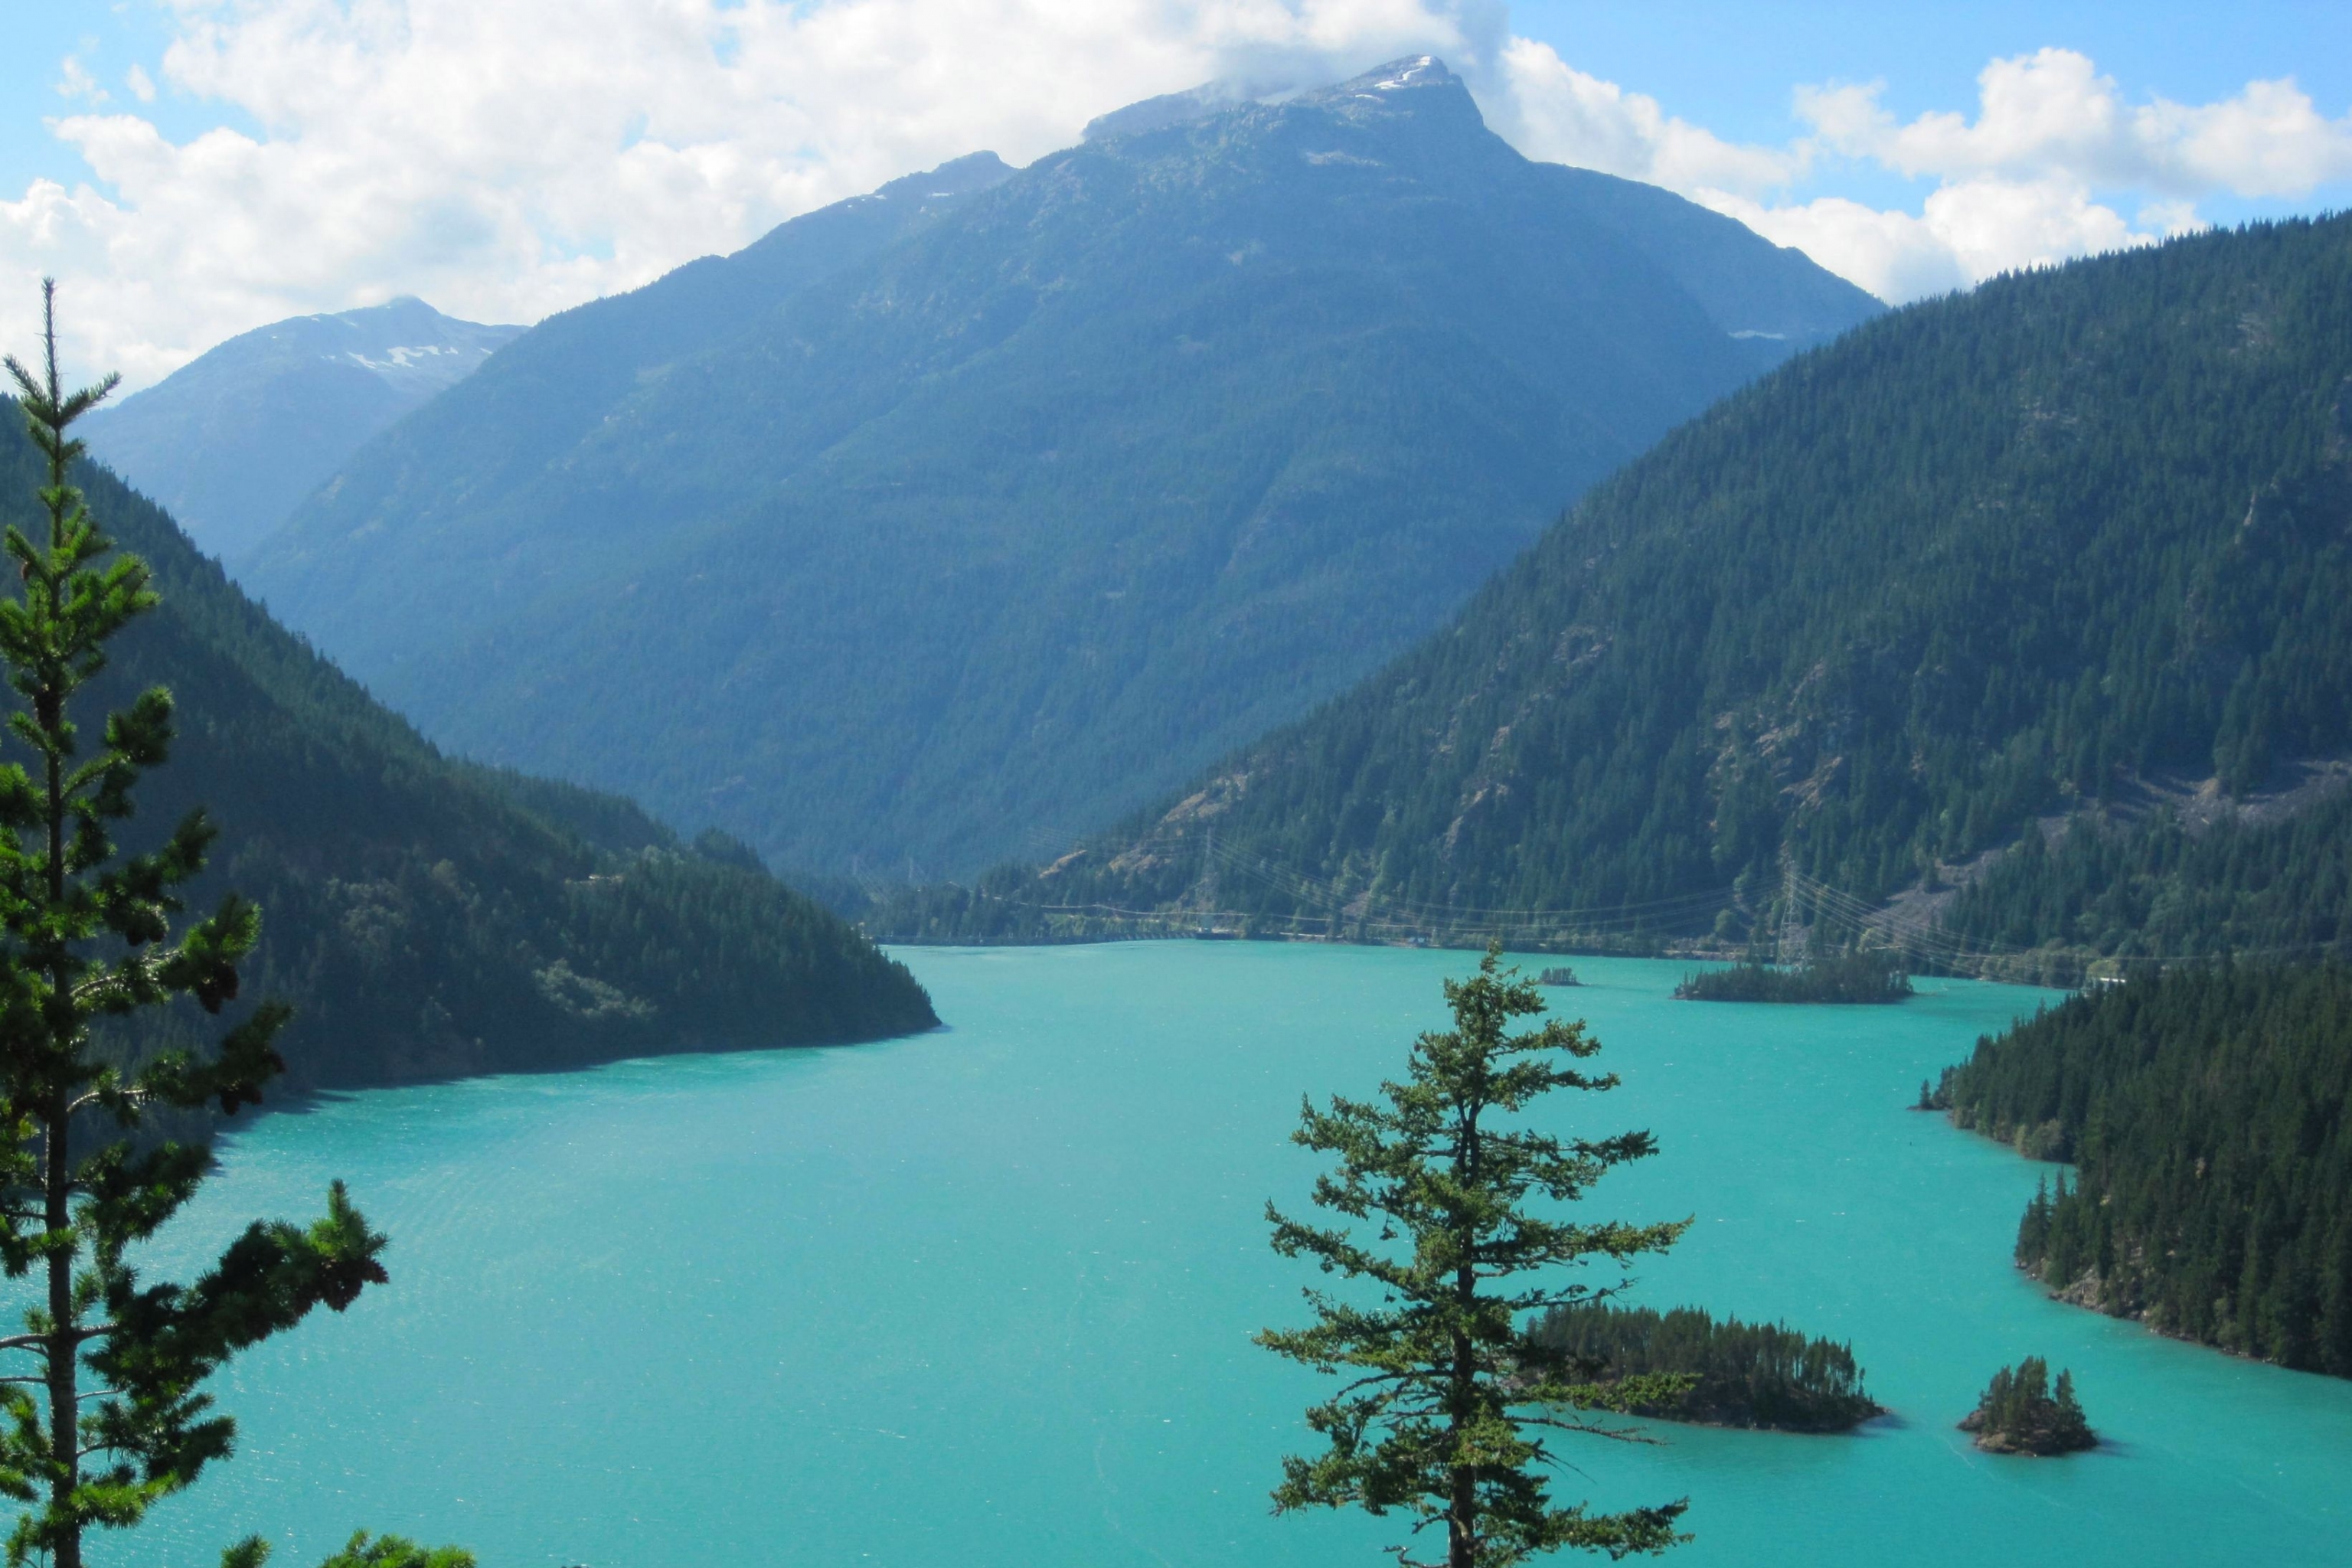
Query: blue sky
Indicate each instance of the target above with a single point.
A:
(110, 38)
(1731, 67)
(510, 158)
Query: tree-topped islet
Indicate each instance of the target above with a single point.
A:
(2021, 1413)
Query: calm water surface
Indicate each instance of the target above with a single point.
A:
(983, 1298)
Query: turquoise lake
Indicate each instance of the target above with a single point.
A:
(983, 1296)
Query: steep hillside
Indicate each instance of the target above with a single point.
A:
(431, 918)
(517, 425)
(1003, 528)
(2209, 1111)
(1988, 560)
(2126, 893)
(229, 443)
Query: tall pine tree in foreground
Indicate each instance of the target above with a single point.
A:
(101, 1415)
(1449, 1394)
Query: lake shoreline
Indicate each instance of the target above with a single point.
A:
(1073, 1180)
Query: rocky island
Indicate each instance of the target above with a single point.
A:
(2022, 1414)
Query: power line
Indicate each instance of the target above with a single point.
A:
(1807, 903)
(1300, 884)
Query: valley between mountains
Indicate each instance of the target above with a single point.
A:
(1296, 527)
(950, 522)
(1885, 646)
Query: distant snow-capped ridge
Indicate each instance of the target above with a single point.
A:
(229, 442)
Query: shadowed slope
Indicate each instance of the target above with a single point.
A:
(429, 918)
(1013, 523)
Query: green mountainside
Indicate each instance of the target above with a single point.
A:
(998, 530)
(2140, 892)
(513, 427)
(429, 918)
(232, 440)
(1993, 560)
(2209, 1111)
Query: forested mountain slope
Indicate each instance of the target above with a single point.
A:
(1007, 527)
(1979, 562)
(2210, 1112)
(2142, 890)
(490, 440)
(428, 918)
(230, 441)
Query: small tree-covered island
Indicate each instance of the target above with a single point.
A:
(1765, 1376)
(1846, 977)
(2022, 1413)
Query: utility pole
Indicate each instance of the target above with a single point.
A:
(1209, 880)
(1792, 926)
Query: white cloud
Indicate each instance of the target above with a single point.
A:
(2052, 114)
(508, 160)
(2024, 183)
(2269, 141)
(1892, 254)
(2019, 184)
(1555, 112)
(74, 81)
(1967, 231)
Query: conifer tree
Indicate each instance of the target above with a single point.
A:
(2033, 1229)
(393, 1551)
(1449, 1393)
(2018, 1413)
(103, 1415)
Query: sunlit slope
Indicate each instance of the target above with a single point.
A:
(1994, 558)
(1006, 528)
(427, 918)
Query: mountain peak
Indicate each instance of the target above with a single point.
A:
(1409, 72)
(1159, 113)
(1408, 75)
(957, 177)
(194, 440)
(1014, 511)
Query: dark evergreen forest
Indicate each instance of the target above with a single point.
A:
(1979, 565)
(2147, 892)
(1843, 978)
(428, 918)
(1748, 1375)
(2208, 1112)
